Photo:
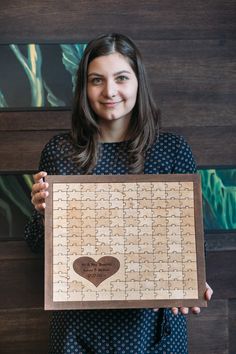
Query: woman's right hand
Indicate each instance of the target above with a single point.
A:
(39, 192)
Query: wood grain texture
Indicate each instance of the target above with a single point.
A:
(20, 151)
(208, 332)
(84, 19)
(13, 250)
(220, 268)
(23, 283)
(194, 81)
(232, 326)
(34, 120)
(24, 331)
(221, 241)
(212, 146)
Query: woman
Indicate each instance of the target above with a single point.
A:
(115, 130)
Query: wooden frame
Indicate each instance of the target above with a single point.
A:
(130, 241)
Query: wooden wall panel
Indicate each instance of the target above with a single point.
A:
(20, 151)
(23, 283)
(208, 332)
(24, 331)
(50, 21)
(12, 250)
(211, 146)
(232, 326)
(22, 276)
(221, 241)
(34, 120)
(189, 48)
(221, 273)
(194, 81)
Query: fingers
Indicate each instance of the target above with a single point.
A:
(195, 310)
(175, 310)
(38, 177)
(208, 292)
(208, 295)
(39, 192)
(184, 310)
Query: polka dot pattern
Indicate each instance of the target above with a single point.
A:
(134, 331)
(169, 154)
(129, 331)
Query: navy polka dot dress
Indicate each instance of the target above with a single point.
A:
(126, 331)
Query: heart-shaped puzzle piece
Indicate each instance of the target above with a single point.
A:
(96, 271)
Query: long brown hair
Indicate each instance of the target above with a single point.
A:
(144, 123)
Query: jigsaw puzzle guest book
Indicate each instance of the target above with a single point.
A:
(128, 241)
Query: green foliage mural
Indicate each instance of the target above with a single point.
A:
(218, 189)
(71, 55)
(43, 76)
(219, 198)
(15, 204)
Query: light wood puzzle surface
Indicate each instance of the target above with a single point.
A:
(124, 241)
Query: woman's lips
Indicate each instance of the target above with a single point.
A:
(110, 104)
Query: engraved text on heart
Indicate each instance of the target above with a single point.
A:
(96, 272)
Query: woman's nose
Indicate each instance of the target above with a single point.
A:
(110, 89)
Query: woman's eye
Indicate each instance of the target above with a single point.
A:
(96, 81)
(122, 78)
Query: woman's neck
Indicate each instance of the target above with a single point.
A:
(114, 131)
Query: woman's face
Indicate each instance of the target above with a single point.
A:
(112, 87)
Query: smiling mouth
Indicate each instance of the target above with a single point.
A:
(110, 104)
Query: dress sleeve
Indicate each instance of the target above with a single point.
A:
(34, 229)
(184, 161)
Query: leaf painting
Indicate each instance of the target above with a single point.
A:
(38, 76)
(219, 198)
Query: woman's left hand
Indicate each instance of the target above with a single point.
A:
(195, 310)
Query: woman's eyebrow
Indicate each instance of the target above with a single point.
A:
(115, 74)
(95, 74)
(122, 72)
